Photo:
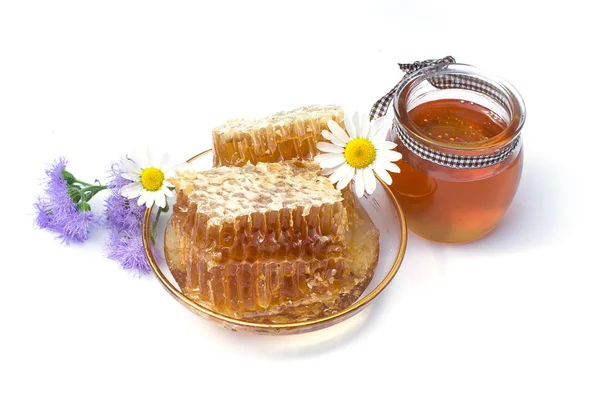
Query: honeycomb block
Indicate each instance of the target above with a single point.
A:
(270, 242)
(282, 136)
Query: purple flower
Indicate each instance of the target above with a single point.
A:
(127, 247)
(56, 210)
(121, 213)
(76, 226)
(124, 222)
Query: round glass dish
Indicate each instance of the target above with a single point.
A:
(382, 207)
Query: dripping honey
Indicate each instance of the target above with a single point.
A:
(455, 205)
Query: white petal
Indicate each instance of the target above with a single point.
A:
(143, 197)
(330, 160)
(329, 147)
(141, 162)
(388, 155)
(382, 174)
(168, 184)
(160, 199)
(366, 124)
(345, 180)
(356, 124)
(339, 172)
(132, 168)
(327, 156)
(332, 138)
(377, 126)
(370, 181)
(132, 190)
(386, 165)
(385, 133)
(131, 177)
(377, 136)
(350, 126)
(359, 183)
(149, 158)
(338, 131)
(164, 162)
(169, 170)
(382, 145)
(151, 199)
(167, 191)
(372, 134)
(138, 156)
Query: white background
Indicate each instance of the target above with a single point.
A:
(516, 313)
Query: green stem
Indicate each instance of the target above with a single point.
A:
(82, 182)
(81, 192)
(90, 191)
(94, 188)
(153, 231)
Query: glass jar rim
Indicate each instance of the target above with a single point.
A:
(505, 138)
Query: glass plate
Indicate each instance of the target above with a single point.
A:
(381, 206)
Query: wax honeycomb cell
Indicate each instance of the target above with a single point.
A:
(269, 243)
(282, 136)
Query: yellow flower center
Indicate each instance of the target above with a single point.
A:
(152, 179)
(359, 153)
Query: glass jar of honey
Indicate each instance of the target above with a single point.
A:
(458, 130)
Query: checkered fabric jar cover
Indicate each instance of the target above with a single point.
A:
(471, 83)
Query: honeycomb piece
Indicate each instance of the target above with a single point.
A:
(282, 136)
(269, 243)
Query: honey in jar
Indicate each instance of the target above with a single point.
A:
(458, 132)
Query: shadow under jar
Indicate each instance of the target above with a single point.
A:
(458, 130)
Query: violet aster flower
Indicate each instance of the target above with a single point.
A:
(127, 247)
(124, 221)
(76, 226)
(57, 211)
(121, 212)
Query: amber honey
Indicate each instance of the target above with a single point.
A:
(456, 120)
(282, 136)
(233, 248)
(448, 204)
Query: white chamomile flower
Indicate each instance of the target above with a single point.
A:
(358, 154)
(148, 180)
